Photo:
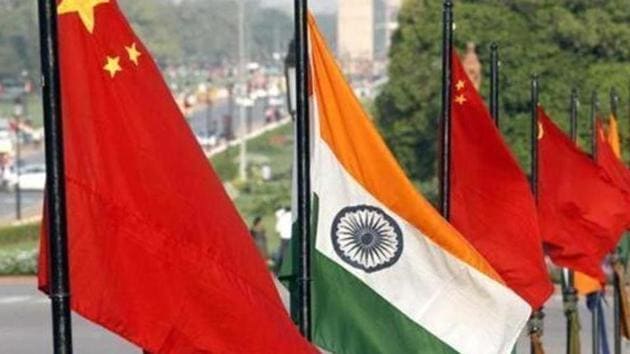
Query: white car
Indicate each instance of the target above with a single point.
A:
(32, 177)
(207, 141)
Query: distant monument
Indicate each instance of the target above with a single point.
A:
(355, 39)
(472, 66)
(364, 28)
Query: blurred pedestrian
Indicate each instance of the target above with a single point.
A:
(260, 238)
(284, 224)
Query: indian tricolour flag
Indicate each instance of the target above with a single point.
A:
(390, 275)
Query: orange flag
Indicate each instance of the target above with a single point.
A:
(613, 136)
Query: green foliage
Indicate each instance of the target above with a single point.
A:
(18, 249)
(18, 262)
(207, 31)
(17, 236)
(257, 197)
(18, 37)
(583, 44)
(175, 31)
(155, 24)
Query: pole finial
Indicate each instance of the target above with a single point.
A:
(448, 4)
(494, 46)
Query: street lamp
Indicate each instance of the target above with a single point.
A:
(18, 112)
(289, 76)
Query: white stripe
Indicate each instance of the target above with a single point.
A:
(463, 307)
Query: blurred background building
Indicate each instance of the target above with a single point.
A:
(363, 31)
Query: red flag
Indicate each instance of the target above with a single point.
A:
(158, 254)
(581, 210)
(491, 200)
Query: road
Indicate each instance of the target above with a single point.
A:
(25, 326)
(201, 120)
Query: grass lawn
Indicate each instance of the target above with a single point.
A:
(19, 237)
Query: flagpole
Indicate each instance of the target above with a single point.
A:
(596, 295)
(569, 292)
(59, 291)
(614, 105)
(594, 113)
(494, 82)
(447, 78)
(535, 325)
(303, 168)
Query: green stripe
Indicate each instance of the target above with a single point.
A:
(350, 318)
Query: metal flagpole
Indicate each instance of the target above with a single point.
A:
(56, 191)
(594, 113)
(447, 78)
(303, 167)
(242, 111)
(614, 104)
(494, 82)
(569, 292)
(595, 331)
(535, 325)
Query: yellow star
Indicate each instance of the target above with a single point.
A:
(133, 53)
(460, 99)
(85, 9)
(112, 66)
(460, 85)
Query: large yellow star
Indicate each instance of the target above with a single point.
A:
(133, 53)
(85, 9)
(112, 66)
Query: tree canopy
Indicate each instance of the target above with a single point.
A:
(569, 43)
(203, 31)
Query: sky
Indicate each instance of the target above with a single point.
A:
(315, 5)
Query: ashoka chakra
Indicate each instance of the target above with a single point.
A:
(366, 237)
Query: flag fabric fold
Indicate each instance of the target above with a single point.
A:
(491, 200)
(158, 253)
(609, 155)
(581, 210)
(390, 275)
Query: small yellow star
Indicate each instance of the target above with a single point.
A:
(133, 53)
(85, 9)
(460, 85)
(460, 99)
(112, 66)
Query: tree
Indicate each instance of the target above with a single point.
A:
(196, 31)
(18, 37)
(154, 22)
(568, 43)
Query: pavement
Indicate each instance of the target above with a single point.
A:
(25, 326)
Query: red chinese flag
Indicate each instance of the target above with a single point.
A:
(610, 161)
(491, 200)
(158, 254)
(581, 210)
